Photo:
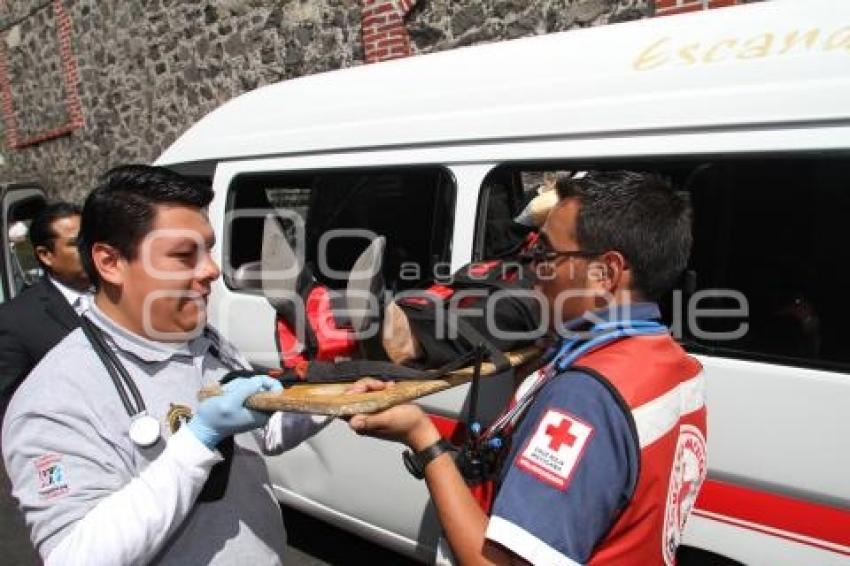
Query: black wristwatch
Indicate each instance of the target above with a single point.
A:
(415, 463)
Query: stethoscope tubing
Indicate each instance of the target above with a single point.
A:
(117, 372)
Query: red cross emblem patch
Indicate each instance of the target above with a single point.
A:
(556, 448)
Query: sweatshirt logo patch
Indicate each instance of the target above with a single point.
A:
(556, 448)
(52, 481)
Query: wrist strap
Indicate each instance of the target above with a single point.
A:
(416, 463)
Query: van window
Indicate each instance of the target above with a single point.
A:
(504, 195)
(412, 207)
(25, 269)
(769, 237)
(772, 230)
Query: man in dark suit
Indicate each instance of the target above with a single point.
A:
(42, 315)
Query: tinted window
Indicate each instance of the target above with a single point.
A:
(413, 208)
(25, 269)
(770, 252)
(774, 231)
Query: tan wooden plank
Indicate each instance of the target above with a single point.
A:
(331, 399)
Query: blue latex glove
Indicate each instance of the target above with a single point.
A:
(224, 415)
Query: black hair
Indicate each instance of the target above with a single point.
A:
(639, 215)
(41, 228)
(121, 208)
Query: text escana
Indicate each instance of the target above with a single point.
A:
(666, 52)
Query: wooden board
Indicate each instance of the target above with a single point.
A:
(331, 399)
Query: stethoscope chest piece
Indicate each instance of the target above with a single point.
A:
(144, 430)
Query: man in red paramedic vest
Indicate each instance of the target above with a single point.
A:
(604, 450)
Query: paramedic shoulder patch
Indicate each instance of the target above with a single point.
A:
(686, 477)
(556, 448)
(52, 482)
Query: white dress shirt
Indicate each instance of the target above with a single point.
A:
(77, 299)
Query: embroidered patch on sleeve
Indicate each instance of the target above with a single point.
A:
(52, 481)
(555, 449)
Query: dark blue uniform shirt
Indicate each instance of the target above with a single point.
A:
(572, 467)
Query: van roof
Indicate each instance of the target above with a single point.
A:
(783, 61)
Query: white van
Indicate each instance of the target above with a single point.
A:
(745, 108)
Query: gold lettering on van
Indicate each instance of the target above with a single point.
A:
(756, 47)
(665, 51)
(793, 38)
(839, 40)
(712, 55)
(649, 59)
(687, 53)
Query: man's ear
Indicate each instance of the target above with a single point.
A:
(108, 263)
(610, 272)
(44, 255)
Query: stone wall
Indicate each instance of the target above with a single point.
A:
(146, 70)
(435, 26)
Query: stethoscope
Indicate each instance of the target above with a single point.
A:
(144, 429)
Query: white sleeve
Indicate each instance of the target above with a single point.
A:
(285, 431)
(130, 525)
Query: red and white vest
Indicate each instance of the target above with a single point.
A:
(664, 389)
